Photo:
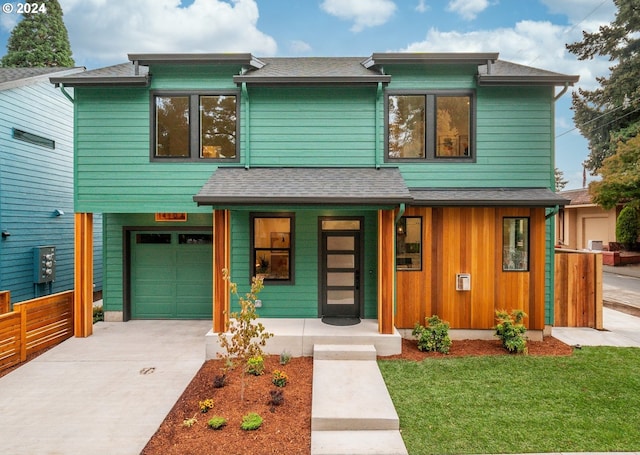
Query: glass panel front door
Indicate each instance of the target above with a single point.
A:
(340, 274)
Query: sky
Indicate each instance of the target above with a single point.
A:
(528, 32)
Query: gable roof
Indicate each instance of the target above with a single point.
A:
(319, 70)
(577, 197)
(17, 77)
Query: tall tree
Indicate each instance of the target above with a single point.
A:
(610, 114)
(40, 39)
(620, 176)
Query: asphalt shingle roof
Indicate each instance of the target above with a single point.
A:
(351, 186)
(520, 197)
(577, 197)
(15, 75)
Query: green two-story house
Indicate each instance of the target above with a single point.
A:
(389, 187)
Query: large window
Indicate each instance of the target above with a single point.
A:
(515, 244)
(409, 243)
(189, 126)
(271, 248)
(430, 126)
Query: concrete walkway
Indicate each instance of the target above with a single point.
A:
(105, 394)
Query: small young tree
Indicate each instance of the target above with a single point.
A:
(627, 227)
(40, 39)
(244, 338)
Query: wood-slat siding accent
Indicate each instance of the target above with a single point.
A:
(221, 260)
(35, 325)
(469, 240)
(578, 289)
(5, 301)
(83, 275)
(386, 270)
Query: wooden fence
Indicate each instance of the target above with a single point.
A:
(34, 325)
(578, 289)
(5, 301)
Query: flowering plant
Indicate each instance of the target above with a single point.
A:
(205, 405)
(280, 378)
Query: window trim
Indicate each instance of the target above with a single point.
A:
(194, 125)
(252, 248)
(528, 249)
(430, 126)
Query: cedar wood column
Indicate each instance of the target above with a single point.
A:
(83, 276)
(221, 260)
(386, 271)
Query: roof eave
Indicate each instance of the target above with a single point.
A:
(257, 201)
(242, 59)
(485, 80)
(398, 58)
(106, 81)
(317, 80)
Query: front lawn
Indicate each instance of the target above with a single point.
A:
(587, 402)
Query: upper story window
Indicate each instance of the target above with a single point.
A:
(430, 126)
(193, 126)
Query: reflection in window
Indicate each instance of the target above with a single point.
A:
(409, 243)
(195, 239)
(452, 126)
(407, 126)
(272, 258)
(158, 239)
(515, 244)
(172, 126)
(218, 126)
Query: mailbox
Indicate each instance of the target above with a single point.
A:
(463, 282)
(44, 264)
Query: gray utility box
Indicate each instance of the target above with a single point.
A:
(44, 264)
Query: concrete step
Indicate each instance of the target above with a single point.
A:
(350, 395)
(382, 442)
(344, 352)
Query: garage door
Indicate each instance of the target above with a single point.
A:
(171, 275)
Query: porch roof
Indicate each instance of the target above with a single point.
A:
(306, 186)
(520, 197)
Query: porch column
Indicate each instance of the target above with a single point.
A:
(83, 276)
(221, 260)
(386, 271)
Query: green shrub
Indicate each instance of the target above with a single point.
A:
(627, 227)
(433, 337)
(217, 422)
(255, 365)
(251, 421)
(511, 330)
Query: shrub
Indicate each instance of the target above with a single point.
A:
(433, 337)
(285, 357)
(511, 330)
(255, 365)
(98, 314)
(251, 421)
(219, 381)
(217, 422)
(205, 405)
(627, 227)
(276, 397)
(280, 378)
(188, 423)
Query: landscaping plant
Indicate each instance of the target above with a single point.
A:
(205, 405)
(217, 422)
(255, 365)
(251, 421)
(433, 337)
(280, 378)
(511, 330)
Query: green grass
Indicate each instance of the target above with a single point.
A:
(588, 402)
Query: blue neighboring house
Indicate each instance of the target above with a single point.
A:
(36, 184)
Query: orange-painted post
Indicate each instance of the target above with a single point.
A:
(83, 276)
(221, 260)
(386, 271)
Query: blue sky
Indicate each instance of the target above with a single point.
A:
(529, 32)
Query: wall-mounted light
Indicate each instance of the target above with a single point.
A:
(5, 234)
(58, 212)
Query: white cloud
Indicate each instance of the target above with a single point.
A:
(468, 9)
(363, 13)
(299, 47)
(106, 30)
(422, 6)
(583, 14)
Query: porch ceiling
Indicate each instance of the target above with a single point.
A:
(515, 197)
(313, 186)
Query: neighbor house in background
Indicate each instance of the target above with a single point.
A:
(583, 224)
(36, 184)
(389, 187)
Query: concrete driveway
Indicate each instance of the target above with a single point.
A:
(105, 394)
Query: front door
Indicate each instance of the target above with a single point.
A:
(340, 287)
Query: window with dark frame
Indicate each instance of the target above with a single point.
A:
(195, 126)
(272, 247)
(430, 126)
(409, 243)
(515, 244)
